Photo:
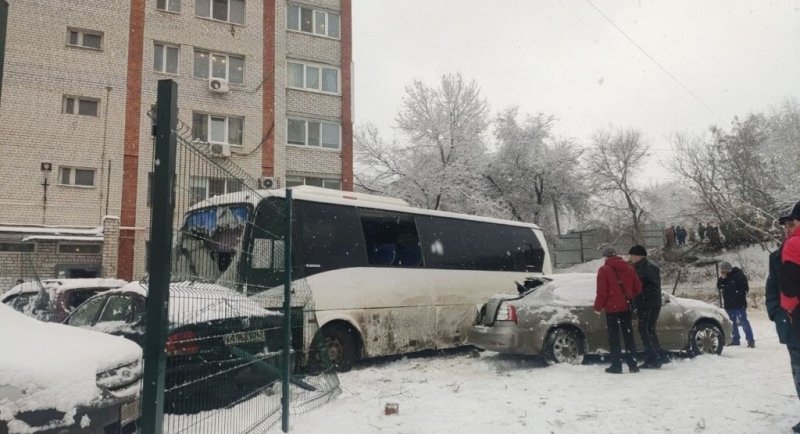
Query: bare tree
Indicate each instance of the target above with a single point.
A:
(614, 160)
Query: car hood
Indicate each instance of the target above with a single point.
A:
(47, 365)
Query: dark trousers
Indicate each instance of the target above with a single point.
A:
(794, 358)
(621, 323)
(648, 317)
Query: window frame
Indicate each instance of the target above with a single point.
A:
(210, 70)
(294, 178)
(320, 67)
(207, 187)
(314, 12)
(210, 11)
(32, 248)
(73, 170)
(207, 133)
(75, 244)
(166, 7)
(81, 38)
(76, 101)
(307, 127)
(164, 56)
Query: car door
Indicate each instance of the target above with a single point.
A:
(671, 332)
(122, 316)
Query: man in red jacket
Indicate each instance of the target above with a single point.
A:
(617, 283)
(789, 271)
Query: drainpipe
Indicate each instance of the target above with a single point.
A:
(103, 154)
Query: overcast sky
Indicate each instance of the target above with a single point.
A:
(564, 58)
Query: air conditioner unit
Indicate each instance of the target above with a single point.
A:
(267, 182)
(220, 150)
(218, 85)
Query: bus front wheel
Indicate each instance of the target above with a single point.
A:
(334, 346)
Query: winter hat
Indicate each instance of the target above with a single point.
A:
(609, 251)
(793, 214)
(725, 266)
(638, 250)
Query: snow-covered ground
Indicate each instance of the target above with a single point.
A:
(742, 391)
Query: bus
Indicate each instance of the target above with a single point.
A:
(385, 277)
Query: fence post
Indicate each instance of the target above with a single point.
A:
(157, 306)
(287, 314)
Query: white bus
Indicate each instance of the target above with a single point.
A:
(386, 278)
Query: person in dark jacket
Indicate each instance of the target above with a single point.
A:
(789, 273)
(781, 318)
(733, 284)
(648, 305)
(617, 283)
(701, 232)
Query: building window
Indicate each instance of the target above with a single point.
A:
(202, 188)
(294, 181)
(231, 11)
(169, 5)
(316, 22)
(314, 133)
(217, 129)
(313, 77)
(165, 58)
(85, 38)
(8, 247)
(76, 177)
(74, 105)
(218, 65)
(84, 249)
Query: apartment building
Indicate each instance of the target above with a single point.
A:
(269, 81)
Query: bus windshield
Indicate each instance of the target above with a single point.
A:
(209, 242)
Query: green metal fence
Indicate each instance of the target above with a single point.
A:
(222, 306)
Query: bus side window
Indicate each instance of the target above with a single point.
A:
(391, 239)
(329, 237)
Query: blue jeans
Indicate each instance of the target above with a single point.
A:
(739, 318)
(794, 357)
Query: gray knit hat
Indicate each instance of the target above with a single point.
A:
(725, 266)
(609, 251)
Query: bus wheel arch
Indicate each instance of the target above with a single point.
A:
(338, 342)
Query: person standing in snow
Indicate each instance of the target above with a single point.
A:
(789, 272)
(648, 305)
(701, 232)
(617, 284)
(733, 284)
(780, 317)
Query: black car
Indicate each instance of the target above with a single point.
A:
(222, 347)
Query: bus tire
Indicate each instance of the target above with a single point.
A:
(334, 346)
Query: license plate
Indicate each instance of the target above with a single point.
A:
(244, 337)
(129, 412)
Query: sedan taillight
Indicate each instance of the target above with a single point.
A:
(506, 312)
(182, 344)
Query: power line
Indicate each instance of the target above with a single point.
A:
(666, 71)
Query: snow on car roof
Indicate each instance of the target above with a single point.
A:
(192, 302)
(54, 365)
(572, 287)
(59, 285)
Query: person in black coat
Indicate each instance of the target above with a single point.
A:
(648, 305)
(733, 284)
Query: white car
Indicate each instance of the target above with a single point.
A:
(60, 379)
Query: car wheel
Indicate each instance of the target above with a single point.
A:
(705, 338)
(334, 346)
(564, 346)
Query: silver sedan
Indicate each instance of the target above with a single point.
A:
(557, 320)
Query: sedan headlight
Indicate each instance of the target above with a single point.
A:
(120, 377)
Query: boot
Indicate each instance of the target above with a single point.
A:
(614, 369)
(751, 344)
(651, 365)
(733, 344)
(633, 368)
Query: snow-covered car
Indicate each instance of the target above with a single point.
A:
(52, 300)
(59, 379)
(557, 320)
(221, 344)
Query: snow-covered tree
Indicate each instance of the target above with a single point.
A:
(441, 162)
(532, 172)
